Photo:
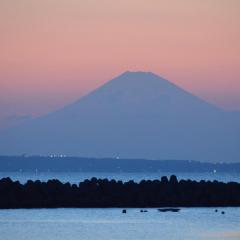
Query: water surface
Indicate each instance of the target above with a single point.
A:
(76, 177)
(111, 224)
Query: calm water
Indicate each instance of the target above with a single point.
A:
(111, 224)
(76, 177)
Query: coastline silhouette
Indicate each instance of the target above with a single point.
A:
(104, 193)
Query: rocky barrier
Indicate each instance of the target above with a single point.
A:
(104, 193)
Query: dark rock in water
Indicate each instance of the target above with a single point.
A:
(222, 212)
(173, 179)
(164, 179)
(124, 211)
(169, 209)
(145, 210)
(141, 210)
(216, 210)
(168, 196)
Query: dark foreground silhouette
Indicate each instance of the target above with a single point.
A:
(103, 193)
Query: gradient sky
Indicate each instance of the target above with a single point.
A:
(54, 51)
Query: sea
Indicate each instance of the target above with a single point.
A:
(76, 177)
(111, 223)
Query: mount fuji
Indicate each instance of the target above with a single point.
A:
(135, 115)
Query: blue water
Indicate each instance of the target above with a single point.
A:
(76, 177)
(111, 224)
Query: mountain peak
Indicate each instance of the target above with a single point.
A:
(139, 75)
(134, 115)
(138, 80)
(139, 85)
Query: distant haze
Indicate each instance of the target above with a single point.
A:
(135, 115)
(53, 51)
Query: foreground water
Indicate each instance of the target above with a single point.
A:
(76, 177)
(111, 224)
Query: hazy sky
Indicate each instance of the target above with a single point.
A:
(54, 51)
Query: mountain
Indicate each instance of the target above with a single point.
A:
(135, 115)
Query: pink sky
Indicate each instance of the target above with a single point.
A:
(54, 51)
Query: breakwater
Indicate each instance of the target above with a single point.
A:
(103, 193)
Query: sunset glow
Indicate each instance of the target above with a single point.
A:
(54, 51)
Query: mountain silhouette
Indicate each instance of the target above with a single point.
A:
(135, 115)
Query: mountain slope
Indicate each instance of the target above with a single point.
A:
(136, 115)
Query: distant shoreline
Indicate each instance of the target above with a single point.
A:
(104, 193)
(84, 164)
